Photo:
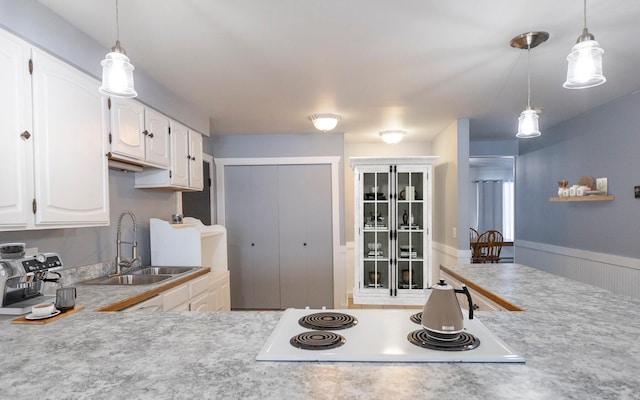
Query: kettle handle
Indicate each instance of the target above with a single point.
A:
(466, 292)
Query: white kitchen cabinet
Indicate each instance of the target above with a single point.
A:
(209, 292)
(393, 218)
(152, 304)
(219, 297)
(16, 142)
(176, 299)
(54, 169)
(138, 134)
(200, 303)
(185, 172)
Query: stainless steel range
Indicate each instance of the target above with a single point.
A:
(22, 281)
(377, 336)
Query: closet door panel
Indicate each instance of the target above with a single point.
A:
(264, 291)
(294, 274)
(319, 249)
(239, 228)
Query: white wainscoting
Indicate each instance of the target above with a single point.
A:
(618, 274)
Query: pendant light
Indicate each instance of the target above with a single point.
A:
(324, 122)
(117, 71)
(585, 61)
(528, 120)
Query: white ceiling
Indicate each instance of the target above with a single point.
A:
(263, 66)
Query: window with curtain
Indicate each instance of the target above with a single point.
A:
(493, 206)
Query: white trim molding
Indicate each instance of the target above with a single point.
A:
(607, 271)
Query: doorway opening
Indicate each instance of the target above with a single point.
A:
(201, 205)
(492, 200)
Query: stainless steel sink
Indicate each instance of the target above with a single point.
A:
(141, 276)
(127, 280)
(160, 270)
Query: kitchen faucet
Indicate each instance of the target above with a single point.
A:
(124, 262)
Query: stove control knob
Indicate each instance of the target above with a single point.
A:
(41, 258)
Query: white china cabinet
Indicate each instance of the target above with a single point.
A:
(52, 152)
(393, 202)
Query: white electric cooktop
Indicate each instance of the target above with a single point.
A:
(381, 336)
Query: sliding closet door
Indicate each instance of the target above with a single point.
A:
(251, 200)
(306, 252)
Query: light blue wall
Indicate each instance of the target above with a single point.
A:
(260, 146)
(604, 142)
(39, 26)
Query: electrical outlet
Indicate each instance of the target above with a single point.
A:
(636, 190)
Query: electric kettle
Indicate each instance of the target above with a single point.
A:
(441, 315)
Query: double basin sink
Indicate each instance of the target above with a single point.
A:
(141, 276)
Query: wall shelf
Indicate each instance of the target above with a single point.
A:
(582, 198)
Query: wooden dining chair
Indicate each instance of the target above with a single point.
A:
(474, 245)
(490, 246)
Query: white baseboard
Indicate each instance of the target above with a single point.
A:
(618, 274)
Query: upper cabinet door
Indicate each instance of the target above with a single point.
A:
(70, 164)
(156, 138)
(15, 146)
(127, 126)
(180, 158)
(196, 177)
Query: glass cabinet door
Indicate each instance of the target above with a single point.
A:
(376, 249)
(410, 227)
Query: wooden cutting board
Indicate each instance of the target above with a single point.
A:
(24, 320)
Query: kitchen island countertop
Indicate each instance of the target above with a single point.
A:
(579, 341)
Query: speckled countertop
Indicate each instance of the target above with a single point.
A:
(580, 342)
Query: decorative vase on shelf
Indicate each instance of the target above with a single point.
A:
(405, 218)
(562, 185)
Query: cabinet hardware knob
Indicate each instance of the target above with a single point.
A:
(145, 132)
(151, 135)
(305, 243)
(25, 135)
(253, 244)
(193, 158)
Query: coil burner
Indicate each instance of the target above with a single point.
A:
(417, 318)
(464, 342)
(317, 340)
(328, 321)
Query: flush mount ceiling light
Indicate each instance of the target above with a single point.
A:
(528, 120)
(392, 136)
(585, 61)
(324, 122)
(117, 71)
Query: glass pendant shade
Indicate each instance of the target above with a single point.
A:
(585, 66)
(392, 136)
(324, 122)
(528, 124)
(117, 74)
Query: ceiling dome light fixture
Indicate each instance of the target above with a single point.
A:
(585, 61)
(392, 136)
(324, 122)
(117, 71)
(528, 120)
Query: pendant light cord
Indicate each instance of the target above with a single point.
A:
(118, 23)
(585, 14)
(529, 73)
